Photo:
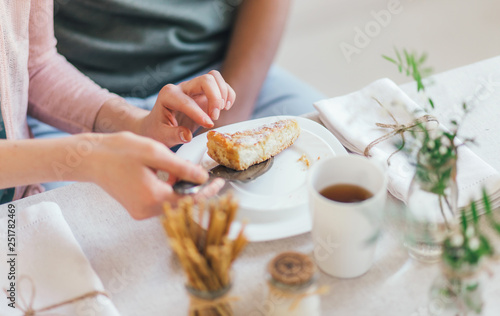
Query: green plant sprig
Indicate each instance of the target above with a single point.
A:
(467, 246)
(489, 212)
(436, 160)
(412, 66)
(437, 154)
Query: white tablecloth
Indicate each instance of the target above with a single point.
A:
(140, 272)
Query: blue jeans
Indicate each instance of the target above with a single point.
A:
(281, 94)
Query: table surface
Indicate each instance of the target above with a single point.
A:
(143, 277)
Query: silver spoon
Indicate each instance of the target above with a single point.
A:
(252, 173)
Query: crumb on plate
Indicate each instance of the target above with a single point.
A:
(304, 159)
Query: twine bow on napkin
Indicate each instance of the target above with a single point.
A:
(397, 129)
(28, 309)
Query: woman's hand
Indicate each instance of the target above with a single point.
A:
(126, 165)
(181, 109)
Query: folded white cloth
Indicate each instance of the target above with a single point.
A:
(352, 119)
(49, 258)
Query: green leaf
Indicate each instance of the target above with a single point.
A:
(419, 85)
(398, 55)
(497, 227)
(408, 62)
(450, 136)
(431, 102)
(407, 56)
(426, 71)
(485, 247)
(422, 58)
(473, 209)
(390, 59)
(464, 221)
(486, 202)
(472, 287)
(400, 61)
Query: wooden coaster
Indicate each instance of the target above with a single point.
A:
(292, 268)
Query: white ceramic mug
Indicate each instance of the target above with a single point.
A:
(344, 233)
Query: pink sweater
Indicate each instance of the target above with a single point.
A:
(35, 79)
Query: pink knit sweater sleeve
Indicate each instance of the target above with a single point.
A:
(59, 94)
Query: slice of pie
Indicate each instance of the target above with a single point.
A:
(243, 149)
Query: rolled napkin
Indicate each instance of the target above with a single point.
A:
(52, 275)
(352, 119)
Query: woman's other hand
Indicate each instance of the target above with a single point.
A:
(181, 109)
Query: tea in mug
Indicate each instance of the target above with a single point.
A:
(346, 193)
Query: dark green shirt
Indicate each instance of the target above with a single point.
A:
(134, 47)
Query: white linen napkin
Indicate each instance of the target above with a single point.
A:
(50, 257)
(352, 119)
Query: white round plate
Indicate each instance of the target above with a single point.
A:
(275, 204)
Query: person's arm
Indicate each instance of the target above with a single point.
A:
(253, 45)
(194, 99)
(63, 97)
(58, 93)
(123, 164)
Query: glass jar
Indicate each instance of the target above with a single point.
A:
(431, 211)
(293, 289)
(209, 303)
(456, 293)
